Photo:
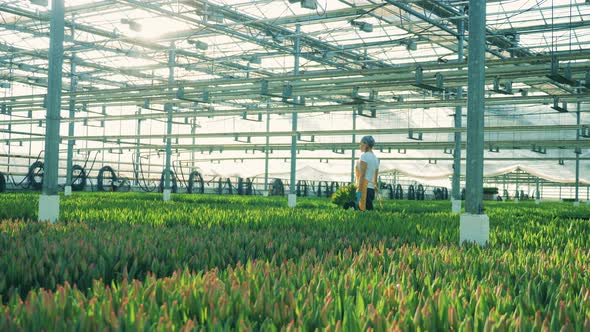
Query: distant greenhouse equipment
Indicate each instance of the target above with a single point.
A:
(196, 183)
(108, 180)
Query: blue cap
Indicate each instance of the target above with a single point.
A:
(369, 140)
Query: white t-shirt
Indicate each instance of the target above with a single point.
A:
(372, 167)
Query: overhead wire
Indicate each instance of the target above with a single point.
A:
(507, 18)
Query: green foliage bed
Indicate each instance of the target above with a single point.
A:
(130, 261)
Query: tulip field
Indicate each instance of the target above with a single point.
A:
(129, 261)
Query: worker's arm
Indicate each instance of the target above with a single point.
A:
(362, 173)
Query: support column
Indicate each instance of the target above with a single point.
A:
(266, 152)
(474, 224)
(537, 192)
(193, 131)
(9, 145)
(120, 152)
(292, 198)
(456, 185)
(171, 62)
(577, 200)
(49, 200)
(137, 150)
(11, 69)
(517, 194)
(72, 107)
(504, 189)
(353, 155)
(30, 146)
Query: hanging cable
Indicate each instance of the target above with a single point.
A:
(91, 168)
(172, 180)
(101, 178)
(20, 184)
(195, 177)
(35, 175)
(79, 181)
(180, 179)
(145, 187)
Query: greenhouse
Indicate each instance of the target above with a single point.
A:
(294, 165)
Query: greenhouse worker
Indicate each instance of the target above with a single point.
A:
(367, 172)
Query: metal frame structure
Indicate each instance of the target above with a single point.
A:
(245, 59)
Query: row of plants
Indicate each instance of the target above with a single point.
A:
(376, 288)
(80, 252)
(25, 205)
(538, 261)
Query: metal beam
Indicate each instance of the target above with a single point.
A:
(49, 200)
(353, 151)
(542, 28)
(296, 100)
(72, 107)
(578, 152)
(401, 158)
(266, 149)
(114, 36)
(227, 31)
(83, 46)
(456, 182)
(39, 54)
(171, 63)
(445, 11)
(413, 145)
(423, 17)
(54, 99)
(337, 84)
(342, 132)
(475, 108)
(137, 150)
(325, 17)
(316, 44)
(327, 157)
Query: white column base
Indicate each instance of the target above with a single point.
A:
(265, 193)
(456, 205)
(68, 190)
(474, 228)
(537, 201)
(49, 208)
(292, 200)
(516, 200)
(588, 202)
(576, 203)
(167, 194)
